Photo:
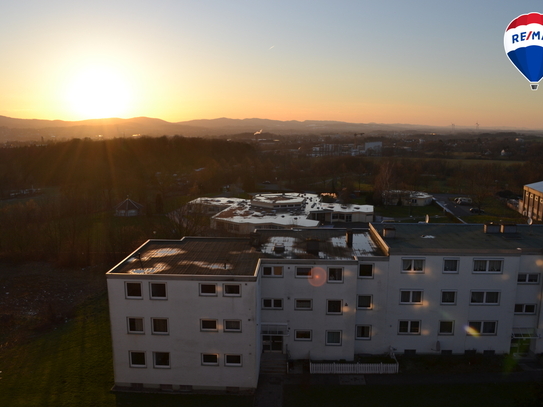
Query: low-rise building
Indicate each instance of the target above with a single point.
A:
(531, 204)
(199, 313)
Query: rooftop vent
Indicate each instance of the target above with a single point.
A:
(312, 246)
(491, 228)
(279, 248)
(349, 238)
(389, 232)
(508, 228)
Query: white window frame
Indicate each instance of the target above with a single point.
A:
(304, 275)
(233, 364)
(154, 297)
(203, 320)
(363, 338)
(481, 328)
(411, 323)
(485, 299)
(225, 329)
(412, 264)
(300, 331)
(297, 306)
(487, 266)
(358, 301)
(448, 303)
(372, 265)
(524, 278)
(412, 294)
(204, 363)
(135, 332)
(328, 312)
(132, 352)
(327, 341)
(167, 332)
(161, 366)
(133, 297)
(224, 289)
(334, 281)
(445, 260)
(272, 271)
(205, 294)
(524, 307)
(446, 333)
(273, 305)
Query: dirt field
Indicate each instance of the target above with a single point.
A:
(38, 296)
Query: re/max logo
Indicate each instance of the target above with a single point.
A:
(525, 36)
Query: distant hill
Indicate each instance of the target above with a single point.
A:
(13, 129)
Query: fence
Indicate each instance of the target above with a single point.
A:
(353, 368)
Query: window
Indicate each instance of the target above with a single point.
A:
(231, 290)
(485, 297)
(482, 328)
(363, 332)
(524, 278)
(410, 297)
(364, 302)
(133, 290)
(137, 359)
(450, 265)
(448, 297)
(160, 325)
(487, 266)
(232, 325)
(412, 265)
(208, 324)
(161, 359)
(158, 291)
(525, 308)
(303, 304)
(303, 272)
(210, 359)
(365, 271)
(446, 327)
(208, 289)
(333, 338)
(232, 360)
(135, 325)
(272, 303)
(272, 271)
(335, 275)
(409, 327)
(334, 306)
(302, 335)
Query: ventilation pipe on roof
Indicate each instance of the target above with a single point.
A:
(508, 228)
(491, 228)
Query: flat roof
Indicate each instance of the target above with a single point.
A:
(192, 256)
(461, 238)
(330, 244)
(538, 186)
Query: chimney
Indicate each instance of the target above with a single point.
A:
(254, 239)
(349, 238)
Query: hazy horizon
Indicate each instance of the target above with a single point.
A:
(392, 62)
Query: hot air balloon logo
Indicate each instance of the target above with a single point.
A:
(523, 42)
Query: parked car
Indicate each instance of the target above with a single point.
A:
(476, 210)
(463, 201)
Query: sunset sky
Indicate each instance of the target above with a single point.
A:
(390, 61)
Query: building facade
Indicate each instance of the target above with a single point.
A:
(197, 314)
(531, 204)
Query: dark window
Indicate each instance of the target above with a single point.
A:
(158, 290)
(133, 290)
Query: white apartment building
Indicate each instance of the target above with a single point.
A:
(198, 313)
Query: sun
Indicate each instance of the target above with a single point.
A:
(98, 92)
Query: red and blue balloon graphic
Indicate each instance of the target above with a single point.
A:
(523, 42)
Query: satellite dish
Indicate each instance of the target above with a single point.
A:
(530, 221)
(427, 219)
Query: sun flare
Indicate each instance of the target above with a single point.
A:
(98, 92)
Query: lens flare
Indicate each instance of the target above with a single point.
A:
(318, 276)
